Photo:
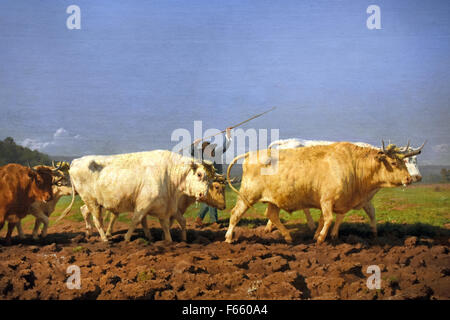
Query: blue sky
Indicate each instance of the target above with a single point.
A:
(137, 70)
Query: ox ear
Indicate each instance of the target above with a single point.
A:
(194, 166)
(32, 174)
(381, 156)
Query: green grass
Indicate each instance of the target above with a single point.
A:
(423, 206)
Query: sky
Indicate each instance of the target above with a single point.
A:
(138, 70)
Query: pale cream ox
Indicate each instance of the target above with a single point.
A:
(215, 197)
(410, 162)
(337, 177)
(144, 183)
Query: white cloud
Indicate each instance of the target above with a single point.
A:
(61, 132)
(441, 148)
(61, 135)
(35, 144)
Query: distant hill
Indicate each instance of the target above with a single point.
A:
(433, 174)
(10, 152)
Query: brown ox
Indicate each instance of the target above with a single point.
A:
(42, 210)
(19, 188)
(215, 197)
(334, 178)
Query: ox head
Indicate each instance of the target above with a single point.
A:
(411, 161)
(393, 164)
(199, 178)
(41, 183)
(216, 192)
(216, 195)
(59, 172)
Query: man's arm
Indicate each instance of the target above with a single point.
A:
(226, 143)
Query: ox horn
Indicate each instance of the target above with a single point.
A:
(416, 151)
(60, 165)
(382, 146)
(405, 149)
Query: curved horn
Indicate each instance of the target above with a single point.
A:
(415, 152)
(405, 149)
(421, 147)
(382, 146)
(60, 165)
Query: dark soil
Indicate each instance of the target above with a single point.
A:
(256, 266)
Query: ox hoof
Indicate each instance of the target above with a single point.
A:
(320, 240)
(288, 240)
(267, 230)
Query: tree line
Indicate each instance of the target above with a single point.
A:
(10, 152)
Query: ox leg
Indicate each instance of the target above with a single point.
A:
(2, 219)
(98, 221)
(137, 218)
(239, 209)
(11, 226)
(110, 228)
(319, 227)
(273, 214)
(269, 225)
(87, 219)
(370, 211)
(147, 233)
(182, 222)
(172, 220)
(337, 224)
(41, 217)
(20, 230)
(327, 212)
(165, 225)
(309, 219)
(37, 224)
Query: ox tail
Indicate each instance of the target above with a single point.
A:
(67, 210)
(228, 177)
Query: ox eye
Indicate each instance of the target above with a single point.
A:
(394, 163)
(199, 174)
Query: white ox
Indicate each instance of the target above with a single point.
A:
(144, 183)
(411, 165)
